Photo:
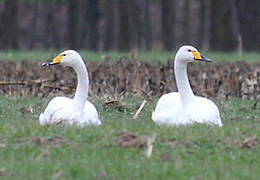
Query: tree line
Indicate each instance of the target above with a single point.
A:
(129, 24)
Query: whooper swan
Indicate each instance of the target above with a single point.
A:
(184, 107)
(78, 110)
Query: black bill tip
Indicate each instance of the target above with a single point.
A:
(46, 64)
(206, 59)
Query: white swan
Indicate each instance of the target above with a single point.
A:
(184, 107)
(78, 110)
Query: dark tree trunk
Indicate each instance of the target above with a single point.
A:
(33, 24)
(205, 24)
(109, 25)
(194, 22)
(93, 21)
(179, 25)
(147, 25)
(234, 25)
(49, 19)
(83, 24)
(221, 16)
(51, 30)
(123, 23)
(73, 16)
(135, 24)
(167, 24)
(249, 23)
(9, 27)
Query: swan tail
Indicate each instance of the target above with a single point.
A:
(153, 116)
(42, 120)
(99, 122)
(219, 123)
(95, 122)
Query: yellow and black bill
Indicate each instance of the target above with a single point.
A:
(199, 57)
(56, 60)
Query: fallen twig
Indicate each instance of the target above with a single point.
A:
(35, 82)
(150, 142)
(140, 109)
(11, 83)
(63, 88)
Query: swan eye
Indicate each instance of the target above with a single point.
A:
(64, 54)
(189, 50)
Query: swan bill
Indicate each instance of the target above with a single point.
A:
(46, 64)
(56, 60)
(196, 55)
(199, 57)
(206, 59)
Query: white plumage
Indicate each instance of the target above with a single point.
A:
(183, 107)
(78, 110)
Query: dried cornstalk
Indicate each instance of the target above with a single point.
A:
(140, 109)
(219, 80)
(150, 142)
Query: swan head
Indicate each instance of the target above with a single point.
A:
(189, 54)
(67, 58)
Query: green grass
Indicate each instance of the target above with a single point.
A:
(191, 152)
(151, 56)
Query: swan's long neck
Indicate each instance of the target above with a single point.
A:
(81, 94)
(183, 84)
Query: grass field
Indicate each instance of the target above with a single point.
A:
(151, 56)
(29, 151)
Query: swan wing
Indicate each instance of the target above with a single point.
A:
(56, 111)
(167, 110)
(90, 115)
(207, 111)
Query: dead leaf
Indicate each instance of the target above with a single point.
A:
(249, 142)
(24, 110)
(115, 104)
(38, 140)
(112, 103)
(56, 140)
(127, 139)
(165, 157)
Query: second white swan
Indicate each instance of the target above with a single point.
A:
(78, 110)
(184, 107)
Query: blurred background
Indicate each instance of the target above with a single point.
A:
(108, 25)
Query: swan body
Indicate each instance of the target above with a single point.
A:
(183, 107)
(78, 110)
